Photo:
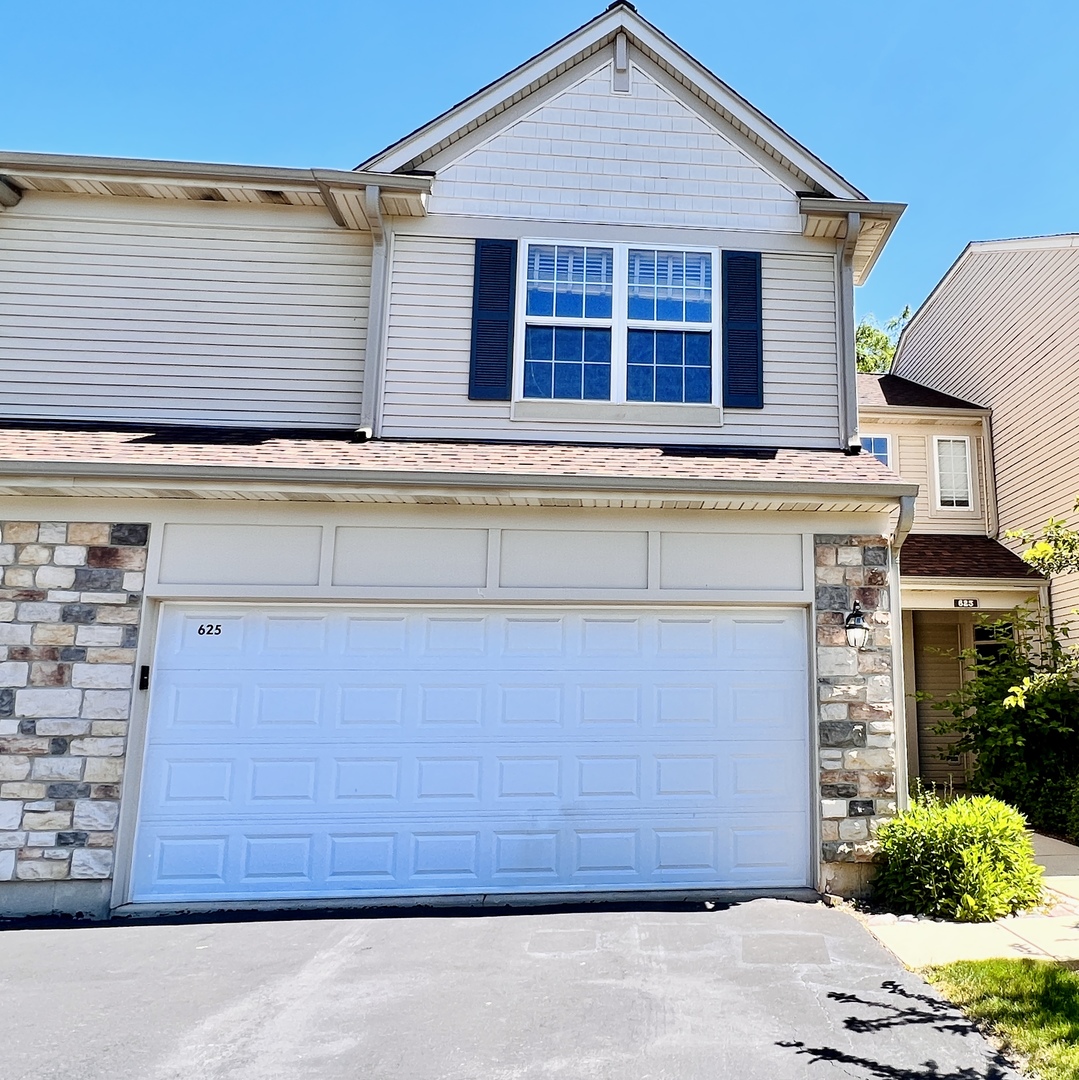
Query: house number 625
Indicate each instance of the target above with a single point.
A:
(209, 629)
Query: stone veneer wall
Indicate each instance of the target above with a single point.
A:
(856, 725)
(69, 621)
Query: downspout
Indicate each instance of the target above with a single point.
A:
(848, 395)
(899, 691)
(374, 354)
(990, 479)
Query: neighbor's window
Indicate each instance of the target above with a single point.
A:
(953, 473)
(877, 445)
(618, 324)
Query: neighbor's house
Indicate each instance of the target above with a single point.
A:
(955, 573)
(1001, 329)
(479, 522)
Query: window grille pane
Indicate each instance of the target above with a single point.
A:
(669, 365)
(569, 362)
(953, 474)
(670, 286)
(540, 279)
(877, 445)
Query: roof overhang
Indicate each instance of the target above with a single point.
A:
(830, 219)
(353, 200)
(914, 413)
(22, 475)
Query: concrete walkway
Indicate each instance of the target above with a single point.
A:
(1050, 933)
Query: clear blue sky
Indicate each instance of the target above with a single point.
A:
(966, 111)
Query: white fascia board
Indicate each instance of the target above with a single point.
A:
(913, 413)
(587, 39)
(68, 473)
(75, 165)
(952, 584)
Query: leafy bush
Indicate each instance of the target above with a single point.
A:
(969, 860)
(1018, 712)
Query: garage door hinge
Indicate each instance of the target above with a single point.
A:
(144, 677)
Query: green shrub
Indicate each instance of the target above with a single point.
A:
(969, 859)
(1025, 746)
(1073, 816)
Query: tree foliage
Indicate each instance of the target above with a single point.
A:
(1018, 713)
(1055, 550)
(874, 345)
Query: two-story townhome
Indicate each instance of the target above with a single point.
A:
(1000, 329)
(955, 573)
(478, 523)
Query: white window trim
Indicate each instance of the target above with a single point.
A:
(938, 507)
(617, 410)
(887, 443)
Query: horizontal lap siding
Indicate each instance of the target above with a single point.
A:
(426, 387)
(1004, 332)
(175, 313)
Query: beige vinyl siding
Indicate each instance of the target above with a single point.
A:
(180, 313)
(912, 457)
(939, 672)
(426, 382)
(1003, 330)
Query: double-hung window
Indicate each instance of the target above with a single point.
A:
(619, 323)
(877, 445)
(952, 456)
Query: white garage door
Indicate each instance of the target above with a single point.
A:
(340, 751)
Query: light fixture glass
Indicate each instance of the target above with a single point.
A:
(855, 626)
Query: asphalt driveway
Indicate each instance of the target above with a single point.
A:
(768, 989)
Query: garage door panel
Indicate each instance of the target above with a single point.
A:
(547, 854)
(332, 751)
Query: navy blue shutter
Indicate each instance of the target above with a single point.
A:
(494, 288)
(743, 340)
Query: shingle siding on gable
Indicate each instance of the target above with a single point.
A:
(426, 384)
(589, 154)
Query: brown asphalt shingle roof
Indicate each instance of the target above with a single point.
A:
(943, 555)
(24, 447)
(892, 390)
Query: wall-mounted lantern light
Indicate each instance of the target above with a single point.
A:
(857, 631)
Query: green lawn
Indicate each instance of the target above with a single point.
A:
(1032, 1005)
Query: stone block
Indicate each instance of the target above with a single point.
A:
(97, 579)
(833, 808)
(875, 711)
(879, 688)
(14, 673)
(874, 759)
(50, 673)
(838, 791)
(34, 702)
(109, 728)
(831, 759)
(72, 654)
(19, 744)
(841, 734)
(19, 577)
(72, 838)
(133, 581)
(91, 863)
(875, 556)
(831, 636)
(7, 865)
(853, 829)
(101, 839)
(861, 807)
(47, 820)
(78, 613)
(52, 532)
(838, 688)
(881, 727)
(832, 598)
(849, 851)
(63, 727)
(13, 839)
(14, 766)
(135, 535)
(56, 768)
(848, 556)
(7, 554)
(118, 615)
(33, 555)
(99, 654)
(98, 635)
(54, 577)
(14, 634)
(94, 814)
(82, 532)
(92, 747)
(117, 558)
(53, 634)
(830, 575)
(21, 789)
(834, 711)
(20, 532)
(10, 814)
(874, 663)
(7, 610)
(39, 612)
(824, 555)
(104, 770)
(107, 704)
(63, 596)
(102, 676)
(69, 555)
(837, 661)
(41, 870)
(102, 597)
(41, 840)
(873, 784)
